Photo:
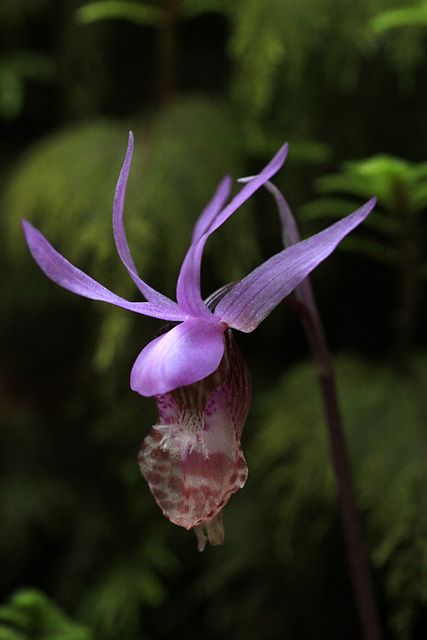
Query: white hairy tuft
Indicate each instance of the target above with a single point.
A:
(185, 435)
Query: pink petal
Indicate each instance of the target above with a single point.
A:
(290, 233)
(188, 287)
(184, 355)
(188, 292)
(58, 269)
(212, 209)
(253, 298)
(245, 193)
(193, 474)
(120, 235)
(238, 384)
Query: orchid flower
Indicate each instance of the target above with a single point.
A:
(192, 458)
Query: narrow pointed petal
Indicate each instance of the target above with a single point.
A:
(185, 354)
(212, 209)
(188, 286)
(254, 297)
(290, 233)
(188, 292)
(58, 269)
(245, 193)
(120, 235)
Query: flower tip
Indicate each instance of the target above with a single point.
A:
(28, 229)
(283, 152)
(279, 158)
(246, 179)
(130, 144)
(367, 208)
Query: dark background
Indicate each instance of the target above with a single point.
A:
(208, 88)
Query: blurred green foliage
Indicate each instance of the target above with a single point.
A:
(385, 419)
(30, 615)
(137, 12)
(15, 70)
(403, 28)
(401, 190)
(210, 87)
(290, 501)
(413, 14)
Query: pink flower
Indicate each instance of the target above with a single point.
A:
(192, 457)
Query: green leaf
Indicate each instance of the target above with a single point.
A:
(30, 615)
(401, 190)
(413, 15)
(140, 13)
(388, 177)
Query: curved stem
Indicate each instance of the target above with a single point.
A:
(305, 304)
(303, 300)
